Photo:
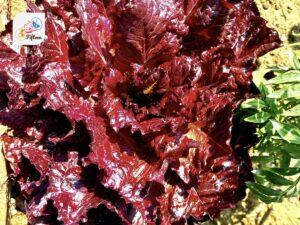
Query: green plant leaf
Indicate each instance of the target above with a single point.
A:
(274, 177)
(292, 91)
(295, 61)
(294, 192)
(253, 103)
(287, 77)
(292, 149)
(262, 159)
(285, 161)
(295, 111)
(286, 171)
(262, 192)
(293, 189)
(272, 104)
(288, 132)
(297, 51)
(278, 69)
(260, 117)
(276, 116)
(259, 179)
(267, 129)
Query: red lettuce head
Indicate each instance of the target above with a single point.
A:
(124, 114)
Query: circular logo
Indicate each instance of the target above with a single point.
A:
(36, 23)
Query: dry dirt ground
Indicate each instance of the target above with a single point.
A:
(8, 10)
(281, 15)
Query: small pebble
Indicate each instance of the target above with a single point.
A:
(265, 6)
(13, 201)
(13, 212)
(283, 37)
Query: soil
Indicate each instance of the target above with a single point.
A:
(3, 14)
(9, 9)
(282, 15)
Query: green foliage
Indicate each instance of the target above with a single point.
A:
(276, 115)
